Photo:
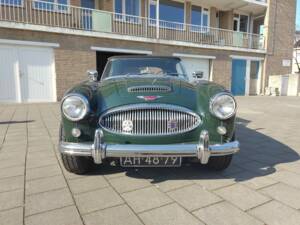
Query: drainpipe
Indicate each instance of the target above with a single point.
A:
(157, 19)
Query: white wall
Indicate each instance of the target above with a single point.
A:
(296, 55)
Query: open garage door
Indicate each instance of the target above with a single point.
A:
(102, 54)
(102, 59)
(196, 64)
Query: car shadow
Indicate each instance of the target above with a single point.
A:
(259, 156)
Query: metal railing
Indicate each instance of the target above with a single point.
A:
(72, 17)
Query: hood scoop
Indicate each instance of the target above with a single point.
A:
(149, 88)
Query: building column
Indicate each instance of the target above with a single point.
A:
(157, 19)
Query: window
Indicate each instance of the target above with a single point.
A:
(240, 23)
(171, 14)
(52, 5)
(11, 2)
(200, 19)
(127, 10)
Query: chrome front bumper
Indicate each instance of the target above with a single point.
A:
(99, 150)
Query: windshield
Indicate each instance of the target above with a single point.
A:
(144, 67)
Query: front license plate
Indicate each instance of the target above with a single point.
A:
(150, 161)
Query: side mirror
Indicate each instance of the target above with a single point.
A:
(198, 74)
(92, 75)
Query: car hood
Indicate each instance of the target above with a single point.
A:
(114, 92)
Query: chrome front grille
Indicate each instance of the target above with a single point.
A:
(149, 120)
(150, 88)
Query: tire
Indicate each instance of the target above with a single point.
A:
(75, 164)
(220, 163)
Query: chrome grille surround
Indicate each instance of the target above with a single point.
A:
(150, 119)
(149, 88)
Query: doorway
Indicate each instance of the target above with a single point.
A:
(102, 57)
(246, 76)
(238, 84)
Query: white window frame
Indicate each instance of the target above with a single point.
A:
(238, 19)
(206, 11)
(154, 2)
(123, 15)
(55, 6)
(13, 5)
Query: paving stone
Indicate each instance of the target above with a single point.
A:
(118, 215)
(291, 166)
(8, 163)
(145, 199)
(171, 184)
(258, 167)
(12, 216)
(32, 156)
(34, 163)
(11, 199)
(126, 183)
(193, 197)
(64, 216)
(232, 169)
(87, 184)
(12, 172)
(43, 172)
(11, 183)
(50, 200)
(276, 213)
(45, 184)
(241, 196)
(225, 214)
(284, 193)
(169, 215)
(213, 181)
(96, 200)
(287, 177)
(253, 181)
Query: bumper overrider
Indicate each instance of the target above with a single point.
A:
(100, 150)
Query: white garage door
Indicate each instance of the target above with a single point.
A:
(26, 74)
(195, 64)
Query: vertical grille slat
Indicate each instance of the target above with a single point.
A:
(150, 120)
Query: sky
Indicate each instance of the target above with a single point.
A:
(298, 15)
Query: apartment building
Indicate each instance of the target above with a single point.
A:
(47, 46)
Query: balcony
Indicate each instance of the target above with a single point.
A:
(94, 21)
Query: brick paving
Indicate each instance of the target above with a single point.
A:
(262, 186)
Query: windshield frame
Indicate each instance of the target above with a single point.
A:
(182, 76)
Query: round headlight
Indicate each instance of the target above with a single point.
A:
(223, 106)
(75, 107)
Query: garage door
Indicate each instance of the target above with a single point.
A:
(26, 74)
(195, 64)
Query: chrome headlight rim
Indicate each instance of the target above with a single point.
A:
(212, 101)
(85, 102)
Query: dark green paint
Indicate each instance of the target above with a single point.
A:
(112, 93)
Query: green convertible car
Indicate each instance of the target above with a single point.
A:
(144, 112)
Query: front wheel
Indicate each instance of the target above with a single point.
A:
(219, 162)
(75, 164)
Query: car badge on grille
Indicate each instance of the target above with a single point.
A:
(149, 98)
(127, 125)
(172, 124)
